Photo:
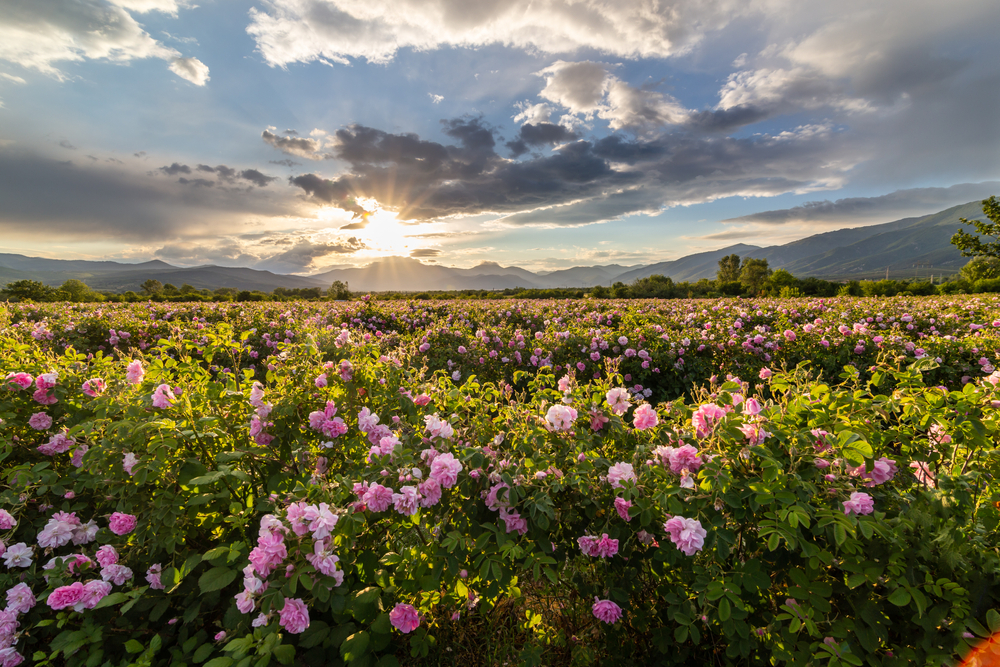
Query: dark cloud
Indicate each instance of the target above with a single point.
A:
(175, 169)
(425, 252)
(539, 134)
(926, 200)
(725, 120)
(580, 182)
(303, 254)
(44, 197)
(360, 224)
(205, 167)
(225, 173)
(257, 178)
(300, 146)
(140, 154)
(285, 163)
(198, 182)
(292, 132)
(66, 144)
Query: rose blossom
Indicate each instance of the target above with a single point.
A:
(128, 462)
(66, 596)
(106, 555)
(7, 521)
(687, 534)
(378, 498)
(622, 506)
(20, 599)
(294, 616)
(445, 469)
(621, 472)
(153, 577)
(560, 418)
(645, 417)
(606, 610)
(122, 524)
(404, 618)
(618, 400)
(860, 503)
(40, 421)
(135, 372)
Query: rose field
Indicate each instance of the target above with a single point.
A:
(627, 482)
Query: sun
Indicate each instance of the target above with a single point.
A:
(383, 234)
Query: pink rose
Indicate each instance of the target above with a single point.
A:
(645, 417)
(860, 503)
(618, 399)
(121, 524)
(378, 498)
(66, 596)
(294, 616)
(40, 421)
(7, 521)
(560, 417)
(620, 472)
(445, 469)
(687, 534)
(20, 380)
(606, 610)
(622, 506)
(135, 372)
(404, 618)
(163, 396)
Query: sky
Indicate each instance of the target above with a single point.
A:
(301, 135)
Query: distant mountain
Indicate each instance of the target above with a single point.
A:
(901, 247)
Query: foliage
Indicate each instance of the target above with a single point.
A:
(981, 268)
(783, 575)
(754, 274)
(729, 269)
(972, 245)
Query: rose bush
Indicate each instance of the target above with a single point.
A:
(809, 519)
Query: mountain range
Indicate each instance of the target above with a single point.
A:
(899, 249)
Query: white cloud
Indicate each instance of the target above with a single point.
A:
(12, 78)
(435, 99)
(143, 6)
(190, 69)
(334, 30)
(587, 89)
(532, 113)
(38, 34)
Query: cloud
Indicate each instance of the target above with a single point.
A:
(588, 89)
(198, 182)
(298, 146)
(66, 144)
(435, 99)
(175, 169)
(190, 69)
(12, 78)
(143, 6)
(580, 182)
(425, 252)
(285, 163)
(290, 31)
(541, 134)
(856, 209)
(101, 202)
(257, 178)
(38, 34)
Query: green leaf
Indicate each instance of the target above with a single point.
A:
(114, 598)
(201, 655)
(284, 654)
(216, 579)
(132, 646)
(681, 634)
(993, 620)
(354, 646)
(219, 662)
(900, 597)
(725, 610)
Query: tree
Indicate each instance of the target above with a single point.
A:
(151, 287)
(782, 280)
(980, 268)
(29, 290)
(77, 290)
(970, 244)
(729, 269)
(754, 274)
(339, 291)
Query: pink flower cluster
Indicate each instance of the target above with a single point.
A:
(686, 534)
(65, 527)
(57, 444)
(43, 383)
(598, 547)
(326, 423)
(679, 459)
(79, 596)
(94, 387)
(437, 428)
(445, 469)
(134, 373)
(705, 418)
